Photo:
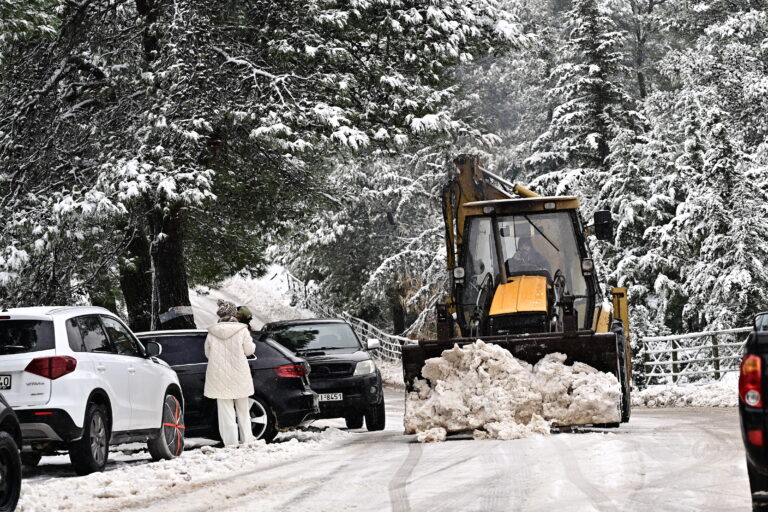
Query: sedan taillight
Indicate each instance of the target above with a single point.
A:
(750, 381)
(291, 370)
(52, 367)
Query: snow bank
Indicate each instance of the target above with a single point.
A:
(266, 297)
(724, 393)
(482, 387)
(133, 485)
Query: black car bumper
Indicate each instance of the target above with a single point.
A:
(298, 410)
(359, 394)
(45, 425)
(753, 421)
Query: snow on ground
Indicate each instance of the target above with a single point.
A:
(723, 393)
(266, 297)
(391, 374)
(134, 485)
(482, 387)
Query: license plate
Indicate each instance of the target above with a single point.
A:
(5, 382)
(331, 397)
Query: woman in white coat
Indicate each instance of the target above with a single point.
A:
(228, 377)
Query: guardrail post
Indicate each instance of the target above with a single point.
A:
(675, 367)
(716, 357)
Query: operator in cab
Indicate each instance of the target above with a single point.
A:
(526, 257)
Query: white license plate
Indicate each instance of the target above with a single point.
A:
(5, 382)
(331, 397)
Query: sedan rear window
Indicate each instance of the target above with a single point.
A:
(305, 337)
(20, 336)
(177, 350)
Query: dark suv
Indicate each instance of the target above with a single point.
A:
(752, 410)
(343, 373)
(282, 398)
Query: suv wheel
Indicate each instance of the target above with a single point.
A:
(169, 442)
(10, 473)
(31, 459)
(263, 424)
(353, 420)
(375, 417)
(90, 453)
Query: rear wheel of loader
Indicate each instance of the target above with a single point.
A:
(621, 342)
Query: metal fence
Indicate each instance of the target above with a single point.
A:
(302, 296)
(695, 357)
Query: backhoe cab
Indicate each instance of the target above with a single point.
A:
(522, 277)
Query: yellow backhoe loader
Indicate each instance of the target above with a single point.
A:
(522, 277)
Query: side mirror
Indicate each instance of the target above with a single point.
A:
(761, 322)
(373, 344)
(603, 225)
(153, 348)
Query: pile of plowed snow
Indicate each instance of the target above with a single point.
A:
(484, 388)
(715, 394)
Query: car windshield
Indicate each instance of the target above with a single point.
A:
(307, 337)
(18, 336)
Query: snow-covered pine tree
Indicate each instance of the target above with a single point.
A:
(593, 106)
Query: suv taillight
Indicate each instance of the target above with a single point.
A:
(291, 370)
(750, 378)
(52, 367)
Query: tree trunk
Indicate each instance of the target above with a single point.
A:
(398, 313)
(136, 283)
(171, 307)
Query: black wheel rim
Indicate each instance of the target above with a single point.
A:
(5, 484)
(173, 425)
(259, 418)
(98, 439)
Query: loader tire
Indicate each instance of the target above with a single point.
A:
(626, 399)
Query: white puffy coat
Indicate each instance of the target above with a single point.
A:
(228, 374)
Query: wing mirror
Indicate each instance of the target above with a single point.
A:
(603, 225)
(153, 348)
(761, 322)
(373, 344)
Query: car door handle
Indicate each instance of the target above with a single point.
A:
(100, 367)
(131, 370)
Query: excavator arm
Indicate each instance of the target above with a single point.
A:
(470, 184)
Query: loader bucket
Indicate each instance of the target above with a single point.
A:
(601, 351)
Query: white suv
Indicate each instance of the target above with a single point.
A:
(79, 380)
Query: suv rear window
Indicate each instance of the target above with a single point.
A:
(19, 336)
(183, 349)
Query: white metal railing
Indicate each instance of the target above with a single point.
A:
(390, 350)
(698, 357)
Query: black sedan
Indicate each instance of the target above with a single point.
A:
(282, 399)
(752, 410)
(343, 373)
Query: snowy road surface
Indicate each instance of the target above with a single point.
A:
(665, 459)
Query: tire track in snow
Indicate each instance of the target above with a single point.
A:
(398, 492)
(600, 500)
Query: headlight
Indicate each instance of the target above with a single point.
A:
(364, 368)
